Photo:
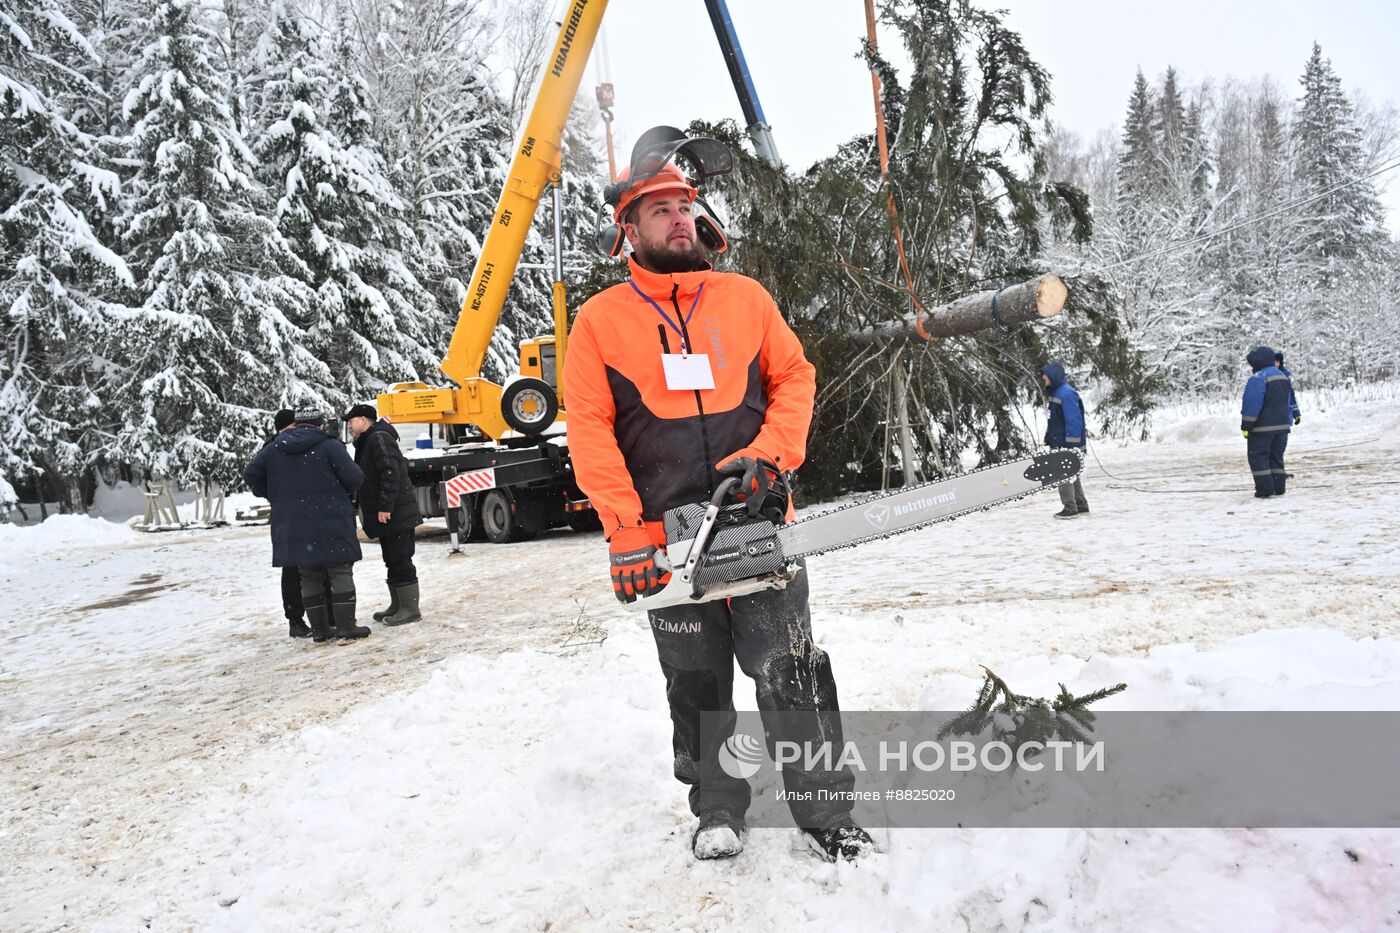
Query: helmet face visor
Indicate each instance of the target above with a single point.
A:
(661, 145)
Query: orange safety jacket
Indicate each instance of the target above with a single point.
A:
(639, 448)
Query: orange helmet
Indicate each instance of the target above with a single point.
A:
(667, 178)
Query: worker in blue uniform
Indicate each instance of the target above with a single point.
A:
(1266, 414)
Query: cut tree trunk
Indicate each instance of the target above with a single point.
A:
(1040, 298)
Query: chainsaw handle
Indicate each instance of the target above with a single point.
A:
(723, 491)
(689, 572)
(700, 543)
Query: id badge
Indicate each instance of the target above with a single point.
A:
(687, 371)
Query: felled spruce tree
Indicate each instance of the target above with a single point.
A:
(978, 209)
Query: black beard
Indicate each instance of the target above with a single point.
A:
(666, 261)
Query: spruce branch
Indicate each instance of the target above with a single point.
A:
(1016, 719)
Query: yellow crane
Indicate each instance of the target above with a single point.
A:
(536, 164)
(512, 487)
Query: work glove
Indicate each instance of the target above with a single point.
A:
(756, 475)
(1244, 433)
(633, 564)
(1297, 419)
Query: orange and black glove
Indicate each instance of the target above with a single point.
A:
(633, 560)
(756, 476)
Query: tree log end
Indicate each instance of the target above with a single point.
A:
(1050, 295)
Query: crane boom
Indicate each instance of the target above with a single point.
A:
(759, 130)
(531, 404)
(535, 165)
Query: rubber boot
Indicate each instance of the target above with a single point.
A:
(383, 614)
(406, 595)
(320, 618)
(297, 629)
(343, 611)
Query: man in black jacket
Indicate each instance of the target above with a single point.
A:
(291, 576)
(308, 477)
(388, 509)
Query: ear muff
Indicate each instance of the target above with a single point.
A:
(710, 232)
(610, 239)
(613, 192)
(709, 228)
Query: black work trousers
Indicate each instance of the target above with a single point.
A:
(291, 593)
(397, 551)
(1265, 451)
(770, 633)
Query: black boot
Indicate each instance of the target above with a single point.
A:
(845, 840)
(319, 615)
(718, 835)
(406, 597)
(382, 614)
(343, 612)
(297, 629)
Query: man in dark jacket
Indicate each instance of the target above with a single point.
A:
(308, 477)
(291, 576)
(388, 509)
(1265, 417)
(1065, 429)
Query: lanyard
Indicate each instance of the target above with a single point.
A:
(685, 348)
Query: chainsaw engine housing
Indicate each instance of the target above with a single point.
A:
(740, 547)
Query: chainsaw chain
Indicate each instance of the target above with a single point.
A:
(933, 521)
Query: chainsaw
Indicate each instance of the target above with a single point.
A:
(729, 547)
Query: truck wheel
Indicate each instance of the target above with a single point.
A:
(529, 405)
(499, 519)
(469, 518)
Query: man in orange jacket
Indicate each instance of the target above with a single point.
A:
(644, 440)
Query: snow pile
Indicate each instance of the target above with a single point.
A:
(533, 792)
(1297, 669)
(62, 532)
(1326, 414)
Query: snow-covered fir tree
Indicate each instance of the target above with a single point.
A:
(1345, 221)
(1162, 180)
(442, 123)
(215, 343)
(1138, 156)
(1344, 254)
(58, 278)
(111, 27)
(339, 214)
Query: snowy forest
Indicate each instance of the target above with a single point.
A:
(212, 209)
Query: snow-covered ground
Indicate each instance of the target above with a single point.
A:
(172, 760)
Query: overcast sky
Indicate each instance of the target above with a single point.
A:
(664, 60)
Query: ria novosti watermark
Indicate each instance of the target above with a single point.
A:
(1126, 769)
(741, 756)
